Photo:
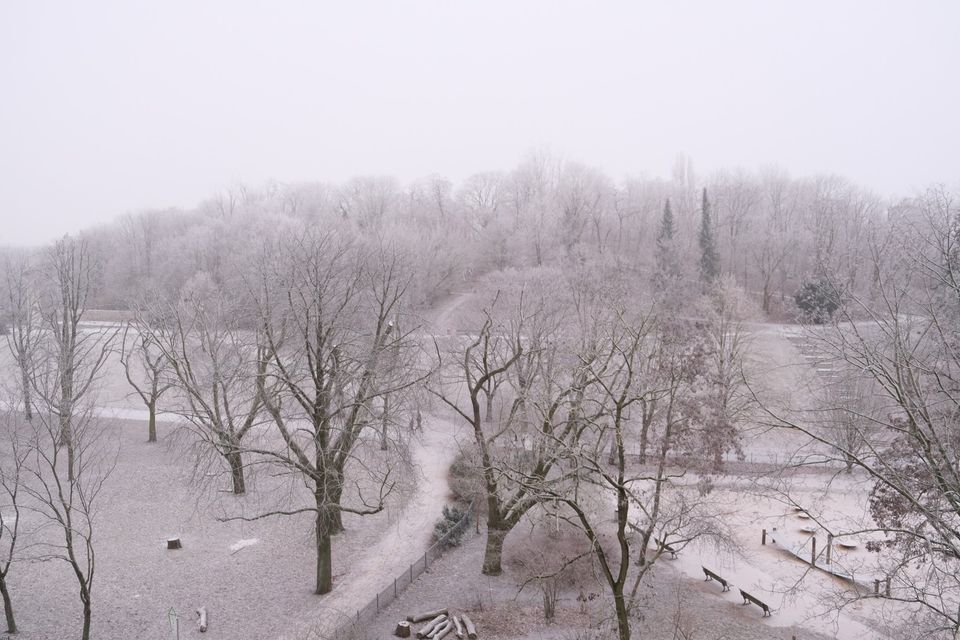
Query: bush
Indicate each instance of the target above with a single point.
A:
(817, 301)
(466, 481)
(452, 517)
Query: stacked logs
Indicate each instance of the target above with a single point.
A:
(439, 624)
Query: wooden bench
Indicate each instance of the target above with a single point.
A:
(712, 576)
(662, 544)
(747, 599)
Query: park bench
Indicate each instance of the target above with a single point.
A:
(747, 599)
(662, 544)
(712, 576)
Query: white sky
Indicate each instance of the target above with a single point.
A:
(108, 107)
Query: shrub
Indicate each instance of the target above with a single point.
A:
(817, 301)
(447, 524)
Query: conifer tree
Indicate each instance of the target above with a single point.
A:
(666, 258)
(709, 261)
(666, 224)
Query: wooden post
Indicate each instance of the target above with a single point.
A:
(174, 543)
(378, 602)
(813, 551)
(829, 546)
(763, 538)
(887, 589)
(876, 587)
(394, 588)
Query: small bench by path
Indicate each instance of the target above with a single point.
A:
(713, 576)
(747, 599)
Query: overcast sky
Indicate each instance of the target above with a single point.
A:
(109, 107)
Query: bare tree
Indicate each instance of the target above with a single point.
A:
(69, 358)
(23, 335)
(330, 315)
(650, 504)
(544, 409)
(70, 460)
(218, 365)
(149, 377)
(66, 479)
(12, 477)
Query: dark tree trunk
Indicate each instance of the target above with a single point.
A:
(335, 517)
(324, 546)
(7, 606)
(87, 614)
(494, 549)
(488, 417)
(152, 421)
(623, 619)
(235, 460)
(644, 438)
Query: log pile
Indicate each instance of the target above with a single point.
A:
(439, 623)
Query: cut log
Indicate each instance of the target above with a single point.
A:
(458, 626)
(429, 615)
(403, 629)
(442, 630)
(471, 629)
(174, 543)
(202, 613)
(433, 624)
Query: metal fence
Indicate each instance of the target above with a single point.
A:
(352, 629)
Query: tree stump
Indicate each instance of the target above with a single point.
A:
(402, 630)
(202, 613)
(174, 543)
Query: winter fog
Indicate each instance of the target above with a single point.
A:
(479, 320)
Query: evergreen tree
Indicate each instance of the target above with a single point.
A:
(666, 259)
(666, 224)
(709, 261)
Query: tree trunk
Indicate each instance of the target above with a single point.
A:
(494, 550)
(235, 460)
(7, 606)
(384, 420)
(335, 517)
(623, 619)
(152, 421)
(488, 417)
(324, 556)
(27, 400)
(87, 615)
(644, 438)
